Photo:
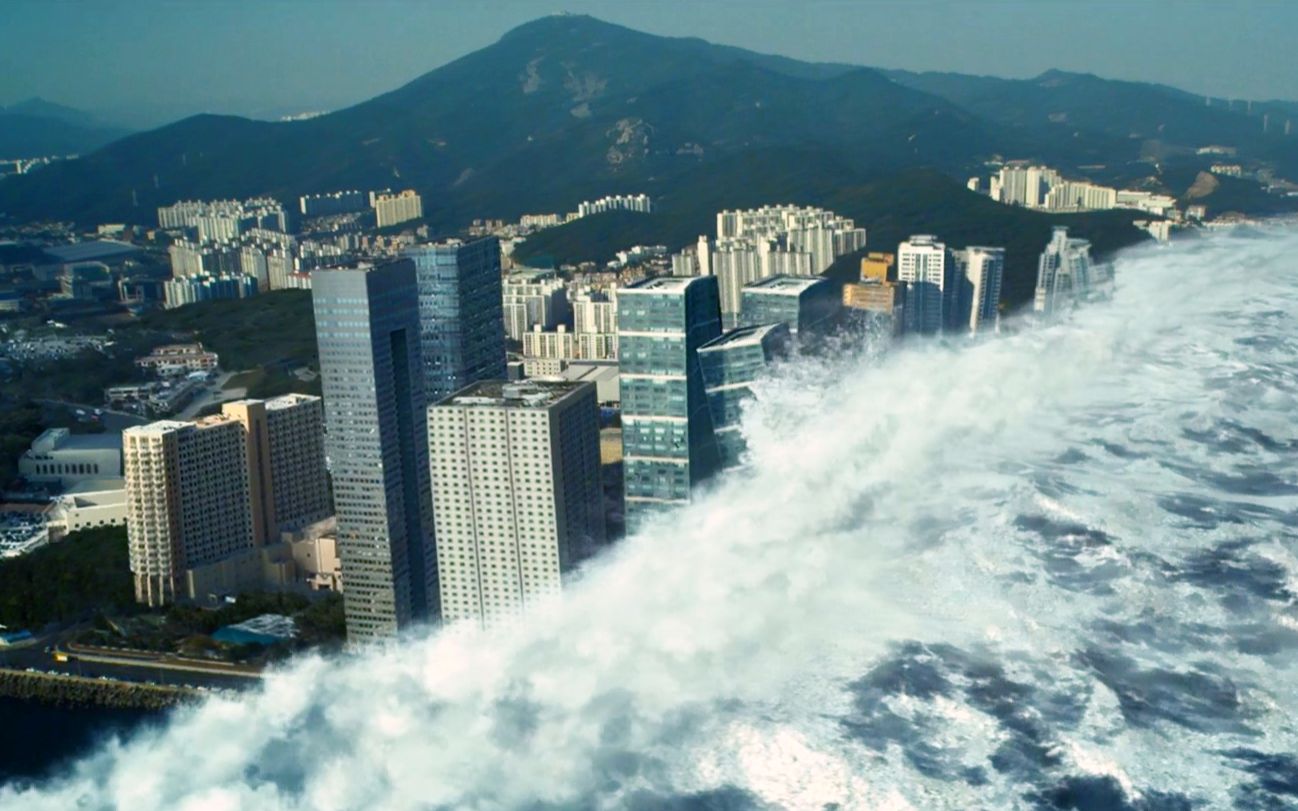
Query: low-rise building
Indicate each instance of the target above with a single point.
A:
(174, 359)
(90, 504)
(60, 456)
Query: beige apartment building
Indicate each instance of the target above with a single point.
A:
(204, 498)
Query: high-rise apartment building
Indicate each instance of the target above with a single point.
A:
(533, 299)
(1065, 274)
(925, 267)
(730, 364)
(338, 202)
(807, 305)
(461, 317)
(668, 442)
(1025, 186)
(299, 478)
(594, 312)
(979, 271)
(616, 202)
(517, 495)
(200, 494)
(367, 331)
(770, 241)
(188, 501)
(394, 209)
(193, 289)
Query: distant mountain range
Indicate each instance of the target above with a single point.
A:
(567, 108)
(36, 127)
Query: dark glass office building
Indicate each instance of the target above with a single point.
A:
(808, 305)
(668, 444)
(730, 365)
(461, 314)
(367, 330)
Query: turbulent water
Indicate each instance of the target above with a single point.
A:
(1055, 569)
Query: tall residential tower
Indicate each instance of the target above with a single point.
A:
(925, 267)
(516, 493)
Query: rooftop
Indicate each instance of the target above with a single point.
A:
(502, 393)
(785, 285)
(289, 400)
(64, 440)
(743, 336)
(86, 251)
(158, 427)
(660, 284)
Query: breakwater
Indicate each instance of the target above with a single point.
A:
(66, 690)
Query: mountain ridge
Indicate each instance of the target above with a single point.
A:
(567, 107)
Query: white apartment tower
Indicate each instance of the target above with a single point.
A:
(1064, 273)
(980, 272)
(925, 265)
(517, 498)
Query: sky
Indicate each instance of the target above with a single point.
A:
(146, 61)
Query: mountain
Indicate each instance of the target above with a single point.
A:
(559, 109)
(568, 107)
(36, 127)
(1121, 121)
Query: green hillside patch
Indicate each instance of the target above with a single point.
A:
(269, 330)
(85, 573)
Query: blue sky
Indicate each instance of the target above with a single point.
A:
(157, 59)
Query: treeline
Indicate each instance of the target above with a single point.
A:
(86, 573)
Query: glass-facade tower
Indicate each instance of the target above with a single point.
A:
(730, 365)
(367, 330)
(461, 314)
(668, 443)
(809, 306)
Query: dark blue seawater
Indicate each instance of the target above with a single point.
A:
(37, 740)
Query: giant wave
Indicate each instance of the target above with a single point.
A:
(1054, 569)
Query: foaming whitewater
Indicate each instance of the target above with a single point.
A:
(1055, 569)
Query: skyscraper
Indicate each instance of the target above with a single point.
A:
(461, 316)
(979, 271)
(517, 496)
(1064, 273)
(807, 305)
(367, 330)
(668, 443)
(731, 363)
(925, 267)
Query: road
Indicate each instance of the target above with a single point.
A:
(113, 421)
(213, 392)
(35, 656)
